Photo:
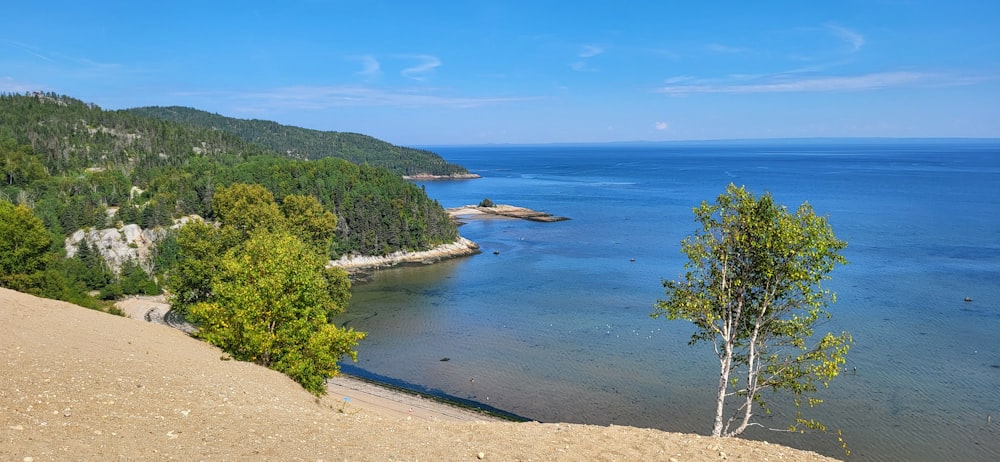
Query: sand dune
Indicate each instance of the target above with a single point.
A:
(77, 384)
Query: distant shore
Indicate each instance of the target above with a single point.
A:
(429, 177)
(503, 210)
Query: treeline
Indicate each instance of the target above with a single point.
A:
(303, 143)
(70, 165)
(69, 134)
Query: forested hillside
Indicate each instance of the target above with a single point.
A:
(301, 143)
(71, 165)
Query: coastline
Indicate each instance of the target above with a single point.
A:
(351, 391)
(502, 210)
(87, 385)
(429, 177)
(460, 248)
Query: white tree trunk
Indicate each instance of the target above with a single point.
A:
(725, 362)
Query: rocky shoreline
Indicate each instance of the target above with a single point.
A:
(503, 210)
(460, 248)
(429, 177)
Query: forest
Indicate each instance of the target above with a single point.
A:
(302, 143)
(72, 165)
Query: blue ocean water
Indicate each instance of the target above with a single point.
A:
(555, 325)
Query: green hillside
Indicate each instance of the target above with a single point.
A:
(301, 143)
(79, 166)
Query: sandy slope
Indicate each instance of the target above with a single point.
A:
(77, 384)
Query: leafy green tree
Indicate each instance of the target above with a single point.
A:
(308, 221)
(200, 248)
(23, 244)
(270, 305)
(752, 289)
(247, 208)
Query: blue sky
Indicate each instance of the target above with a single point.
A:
(471, 72)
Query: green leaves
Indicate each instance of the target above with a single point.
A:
(752, 287)
(269, 305)
(258, 284)
(23, 243)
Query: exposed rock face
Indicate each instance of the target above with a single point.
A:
(119, 245)
(130, 242)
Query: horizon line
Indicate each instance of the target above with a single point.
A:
(882, 139)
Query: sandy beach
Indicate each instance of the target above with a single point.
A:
(78, 384)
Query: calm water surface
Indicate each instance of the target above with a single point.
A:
(556, 327)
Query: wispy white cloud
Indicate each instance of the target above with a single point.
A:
(785, 83)
(28, 49)
(426, 64)
(370, 66)
(719, 48)
(586, 52)
(855, 40)
(678, 79)
(661, 126)
(324, 97)
(589, 51)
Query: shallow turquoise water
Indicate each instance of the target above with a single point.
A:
(555, 327)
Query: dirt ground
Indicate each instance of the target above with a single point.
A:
(77, 384)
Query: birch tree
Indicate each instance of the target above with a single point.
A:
(751, 287)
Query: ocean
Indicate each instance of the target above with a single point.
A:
(551, 321)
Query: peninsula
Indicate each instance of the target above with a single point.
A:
(460, 248)
(502, 210)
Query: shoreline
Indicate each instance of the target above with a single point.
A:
(502, 210)
(397, 400)
(429, 177)
(350, 390)
(102, 387)
(460, 248)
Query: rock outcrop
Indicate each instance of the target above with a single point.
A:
(503, 210)
(118, 245)
(460, 248)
